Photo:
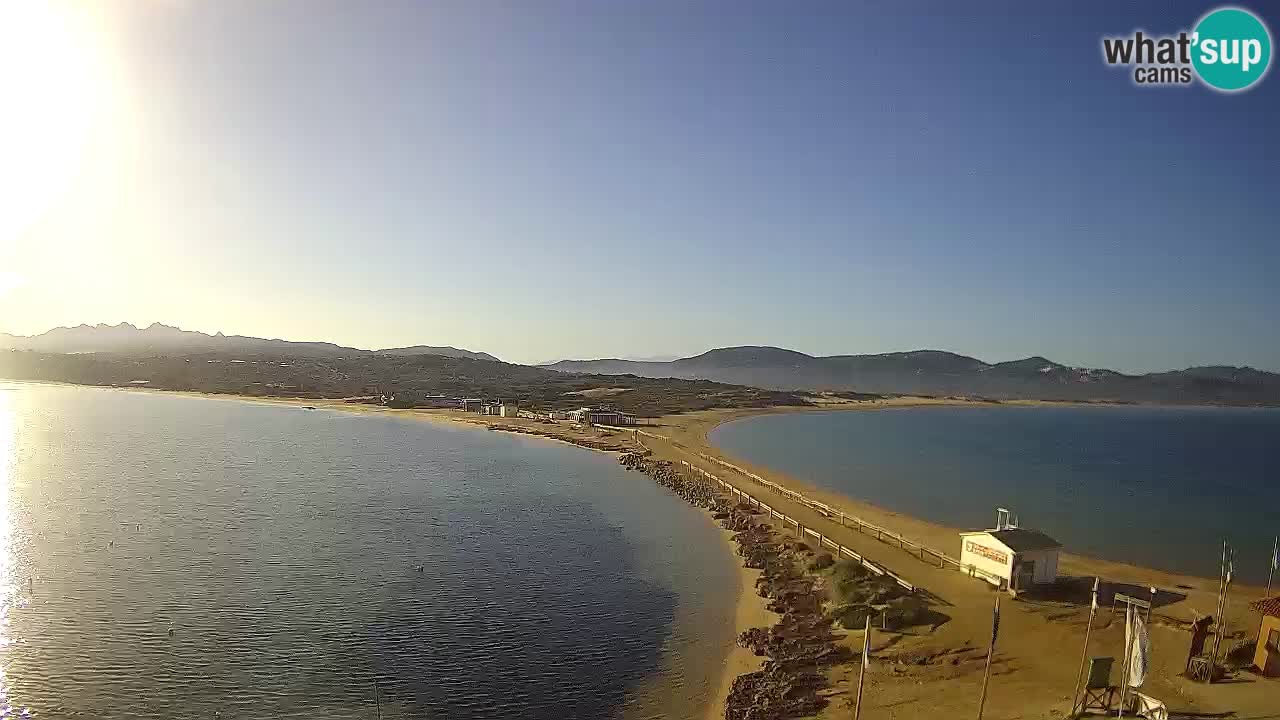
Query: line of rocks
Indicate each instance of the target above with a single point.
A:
(801, 644)
(695, 489)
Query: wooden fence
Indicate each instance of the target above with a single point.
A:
(801, 531)
(885, 535)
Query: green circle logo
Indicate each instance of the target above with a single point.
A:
(1231, 49)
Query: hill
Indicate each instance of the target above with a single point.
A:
(409, 378)
(446, 351)
(937, 372)
(168, 340)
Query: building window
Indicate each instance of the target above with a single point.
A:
(1273, 639)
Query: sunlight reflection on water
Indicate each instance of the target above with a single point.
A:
(8, 591)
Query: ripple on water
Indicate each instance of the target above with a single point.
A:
(193, 557)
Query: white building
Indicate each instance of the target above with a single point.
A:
(509, 410)
(598, 416)
(1010, 557)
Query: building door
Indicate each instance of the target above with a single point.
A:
(1025, 575)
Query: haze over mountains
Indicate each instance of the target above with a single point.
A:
(935, 372)
(927, 372)
(126, 338)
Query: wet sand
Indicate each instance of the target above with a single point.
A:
(749, 613)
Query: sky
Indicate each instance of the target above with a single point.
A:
(547, 180)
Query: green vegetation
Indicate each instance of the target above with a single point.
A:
(860, 593)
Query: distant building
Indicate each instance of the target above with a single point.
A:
(509, 410)
(471, 404)
(599, 416)
(1267, 656)
(439, 401)
(1009, 556)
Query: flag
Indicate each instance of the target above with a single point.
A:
(1093, 602)
(1137, 647)
(995, 622)
(1275, 554)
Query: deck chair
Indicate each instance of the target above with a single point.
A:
(1099, 693)
(1149, 707)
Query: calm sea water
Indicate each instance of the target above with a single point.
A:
(281, 546)
(1159, 487)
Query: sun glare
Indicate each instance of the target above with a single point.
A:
(8, 448)
(9, 281)
(54, 92)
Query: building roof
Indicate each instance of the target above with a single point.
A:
(1268, 606)
(1020, 539)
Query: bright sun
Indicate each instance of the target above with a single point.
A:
(54, 93)
(9, 281)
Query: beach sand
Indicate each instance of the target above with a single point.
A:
(937, 672)
(749, 613)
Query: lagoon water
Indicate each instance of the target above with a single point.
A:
(194, 558)
(1158, 487)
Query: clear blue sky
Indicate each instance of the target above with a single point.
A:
(588, 179)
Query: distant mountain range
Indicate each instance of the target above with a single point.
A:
(161, 339)
(927, 372)
(935, 372)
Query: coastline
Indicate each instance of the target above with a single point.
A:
(694, 431)
(748, 610)
(1037, 682)
(1033, 682)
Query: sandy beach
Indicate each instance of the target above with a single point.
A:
(938, 672)
(749, 613)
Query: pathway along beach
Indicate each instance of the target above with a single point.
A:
(935, 670)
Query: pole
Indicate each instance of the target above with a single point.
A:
(986, 673)
(1228, 565)
(1275, 556)
(1093, 608)
(862, 673)
(377, 698)
(1226, 592)
(1124, 666)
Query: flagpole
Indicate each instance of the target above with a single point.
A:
(1275, 560)
(1093, 609)
(1229, 567)
(1128, 650)
(862, 674)
(986, 674)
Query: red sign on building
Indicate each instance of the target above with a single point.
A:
(986, 552)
